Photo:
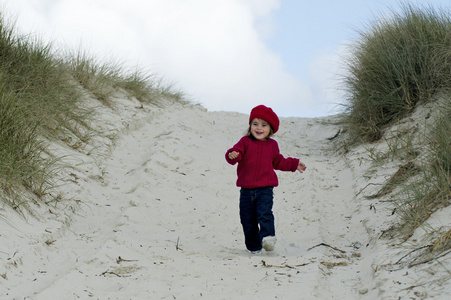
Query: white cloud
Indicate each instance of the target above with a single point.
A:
(212, 50)
(326, 78)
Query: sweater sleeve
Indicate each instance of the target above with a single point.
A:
(284, 164)
(240, 148)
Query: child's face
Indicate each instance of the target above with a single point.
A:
(260, 129)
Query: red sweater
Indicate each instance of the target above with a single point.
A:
(257, 161)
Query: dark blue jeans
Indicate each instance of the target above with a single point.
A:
(256, 215)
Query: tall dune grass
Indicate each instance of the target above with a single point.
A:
(36, 100)
(20, 161)
(398, 62)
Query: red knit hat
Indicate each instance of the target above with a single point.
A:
(267, 114)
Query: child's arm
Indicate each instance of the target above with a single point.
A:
(286, 164)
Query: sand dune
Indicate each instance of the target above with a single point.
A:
(153, 214)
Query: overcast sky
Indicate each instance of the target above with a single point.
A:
(225, 54)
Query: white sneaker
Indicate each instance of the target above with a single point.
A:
(269, 242)
(255, 252)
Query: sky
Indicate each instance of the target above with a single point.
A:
(227, 55)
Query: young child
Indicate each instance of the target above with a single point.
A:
(258, 156)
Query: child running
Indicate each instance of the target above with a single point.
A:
(258, 156)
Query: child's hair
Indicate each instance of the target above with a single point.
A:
(249, 133)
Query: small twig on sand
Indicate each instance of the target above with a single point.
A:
(177, 247)
(120, 259)
(109, 272)
(331, 138)
(326, 245)
(284, 266)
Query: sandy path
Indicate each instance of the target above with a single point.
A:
(158, 219)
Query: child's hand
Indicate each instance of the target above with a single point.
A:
(301, 167)
(233, 155)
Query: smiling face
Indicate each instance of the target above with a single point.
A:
(260, 129)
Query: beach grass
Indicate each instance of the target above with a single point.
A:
(399, 61)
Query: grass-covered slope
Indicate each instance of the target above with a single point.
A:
(41, 95)
(399, 65)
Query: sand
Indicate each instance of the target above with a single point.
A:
(150, 211)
